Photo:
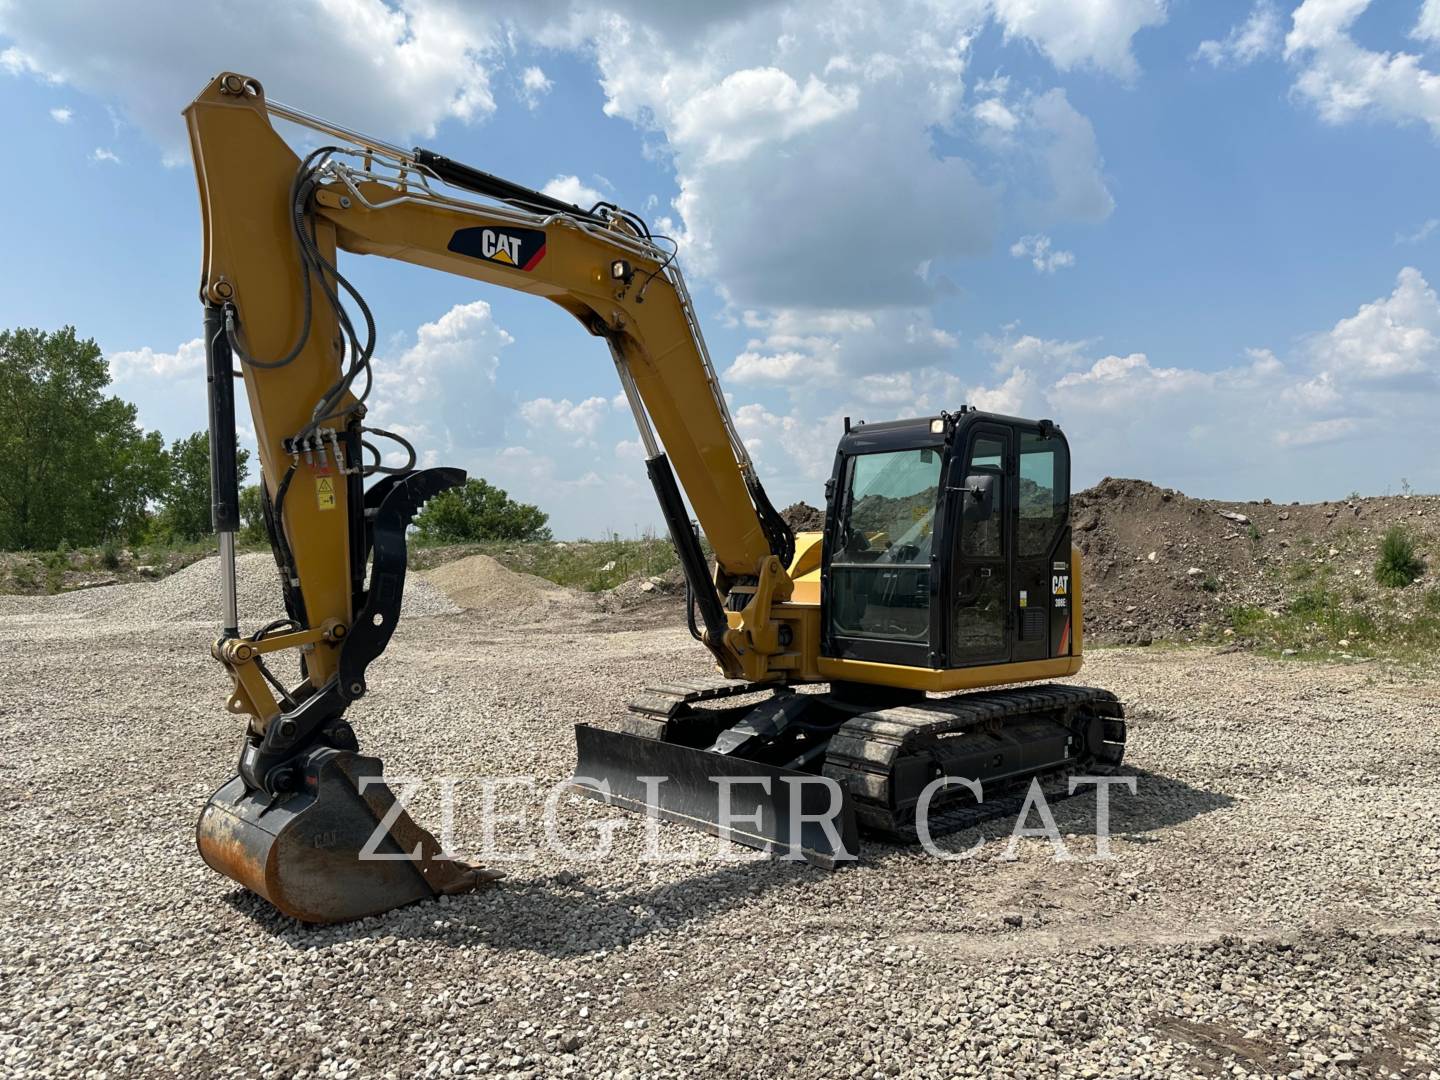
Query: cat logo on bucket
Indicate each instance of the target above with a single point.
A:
(519, 248)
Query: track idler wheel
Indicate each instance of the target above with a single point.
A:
(336, 848)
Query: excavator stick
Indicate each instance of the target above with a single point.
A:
(782, 811)
(338, 848)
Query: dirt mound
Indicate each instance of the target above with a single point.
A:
(1159, 564)
(479, 583)
(802, 517)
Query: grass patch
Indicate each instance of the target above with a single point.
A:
(1399, 563)
(1322, 621)
(1301, 571)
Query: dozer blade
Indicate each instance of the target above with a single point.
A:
(338, 848)
(782, 811)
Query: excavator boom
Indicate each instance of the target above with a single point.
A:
(278, 308)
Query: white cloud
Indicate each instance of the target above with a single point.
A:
(1262, 425)
(1369, 372)
(796, 447)
(1069, 155)
(1343, 79)
(747, 109)
(1008, 398)
(858, 95)
(187, 359)
(1427, 26)
(393, 69)
(804, 348)
(1042, 255)
(1392, 338)
(1028, 352)
(994, 112)
(1421, 234)
(573, 190)
(1259, 35)
(1317, 432)
(1120, 383)
(1080, 33)
(579, 420)
(61, 115)
(101, 156)
(754, 366)
(441, 392)
(534, 85)
(18, 62)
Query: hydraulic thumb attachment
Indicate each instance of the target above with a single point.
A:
(308, 822)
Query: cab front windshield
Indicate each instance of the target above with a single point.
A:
(890, 507)
(880, 574)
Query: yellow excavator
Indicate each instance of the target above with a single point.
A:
(944, 570)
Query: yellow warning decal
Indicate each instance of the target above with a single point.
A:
(325, 492)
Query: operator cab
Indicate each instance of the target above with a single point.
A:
(991, 491)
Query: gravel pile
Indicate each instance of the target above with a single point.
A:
(1272, 906)
(193, 595)
(479, 583)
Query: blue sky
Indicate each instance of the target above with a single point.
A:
(1201, 237)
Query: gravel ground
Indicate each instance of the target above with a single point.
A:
(1270, 906)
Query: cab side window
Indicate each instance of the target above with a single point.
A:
(985, 539)
(1044, 493)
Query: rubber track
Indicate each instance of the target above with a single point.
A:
(669, 700)
(864, 754)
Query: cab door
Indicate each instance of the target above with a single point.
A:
(980, 600)
(1041, 543)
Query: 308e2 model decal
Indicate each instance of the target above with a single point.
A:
(520, 248)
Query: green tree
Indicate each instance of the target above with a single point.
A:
(141, 469)
(76, 467)
(185, 506)
(252, 515)
(479, 511)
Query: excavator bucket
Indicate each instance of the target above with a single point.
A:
(337, 848)
(782, 811)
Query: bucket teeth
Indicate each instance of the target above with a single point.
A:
(338, 848)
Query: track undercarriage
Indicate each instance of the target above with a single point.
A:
(804, 773)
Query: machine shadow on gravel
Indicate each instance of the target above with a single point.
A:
(565, 917)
